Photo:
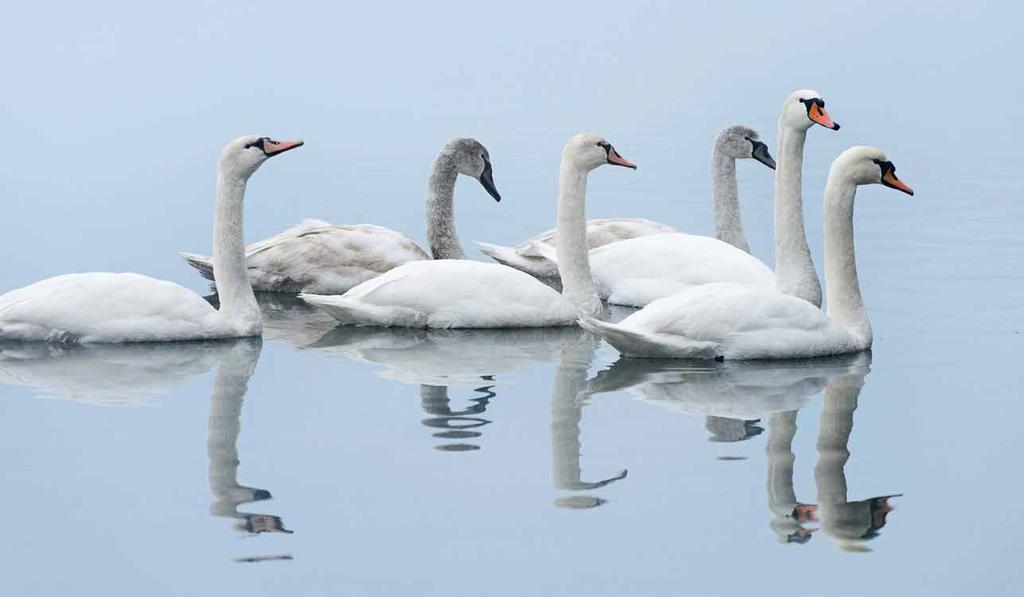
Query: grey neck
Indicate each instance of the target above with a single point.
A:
(728, 219)
(444, 242)
(794, 267)
(237, 301)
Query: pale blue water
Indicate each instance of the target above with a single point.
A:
(492, 463)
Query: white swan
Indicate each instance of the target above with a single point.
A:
(734, 321)
(637, 271)
(123, 307)
(469, 294)
(536, 256)
(322, 258)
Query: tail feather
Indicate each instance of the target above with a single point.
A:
(349, 312)
(501, 254)
(648, 345)
(536, 264)
(201, 262)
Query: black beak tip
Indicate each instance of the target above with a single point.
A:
(835, 126)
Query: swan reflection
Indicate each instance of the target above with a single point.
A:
(131, 374)
(850, 524)
(442, 362)
(229, 387)
(567, 402)
(735, 396)
(106, 374)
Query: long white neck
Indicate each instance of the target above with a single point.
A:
(237, 301)
(728, 219)
(444, 243)
(794, 268)
(845, 304)
(571, 240)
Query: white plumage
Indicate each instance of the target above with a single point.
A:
(535, 256)
(450, 293)
(637, 271)
(467, 294)
(124, 307)
(322, 258)
(734, 321)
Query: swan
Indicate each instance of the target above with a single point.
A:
(637, 271)
(127, 307)
(734, 321)
(536, 256)
(451, 293)
(322, 258)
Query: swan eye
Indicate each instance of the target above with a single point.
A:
(258, 143)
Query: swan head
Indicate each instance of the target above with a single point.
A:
(588, 151)
(472, 159)
(243, 156)
(868, 165)
(740, 142)
(803, 109)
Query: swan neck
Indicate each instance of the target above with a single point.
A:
(728, 219)
(794, 267)
(845, 304)
(444, 242)
(571, 240)
(237, 301)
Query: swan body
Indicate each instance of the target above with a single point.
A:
(535, 256)
(450, 293)
(734, 321)
(322, 258)
(465, 294)
(637, 271)
(112, 307)
(125, 307)
(316, 256)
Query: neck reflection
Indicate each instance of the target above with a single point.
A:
(567, 401)
(229, 387)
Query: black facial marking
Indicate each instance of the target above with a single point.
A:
(258, 143)
(810, 102)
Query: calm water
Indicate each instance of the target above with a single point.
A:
(333, 461)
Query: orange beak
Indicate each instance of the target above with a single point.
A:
(889, 179)
(818, 114)
(618, 160)
(272, 148)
